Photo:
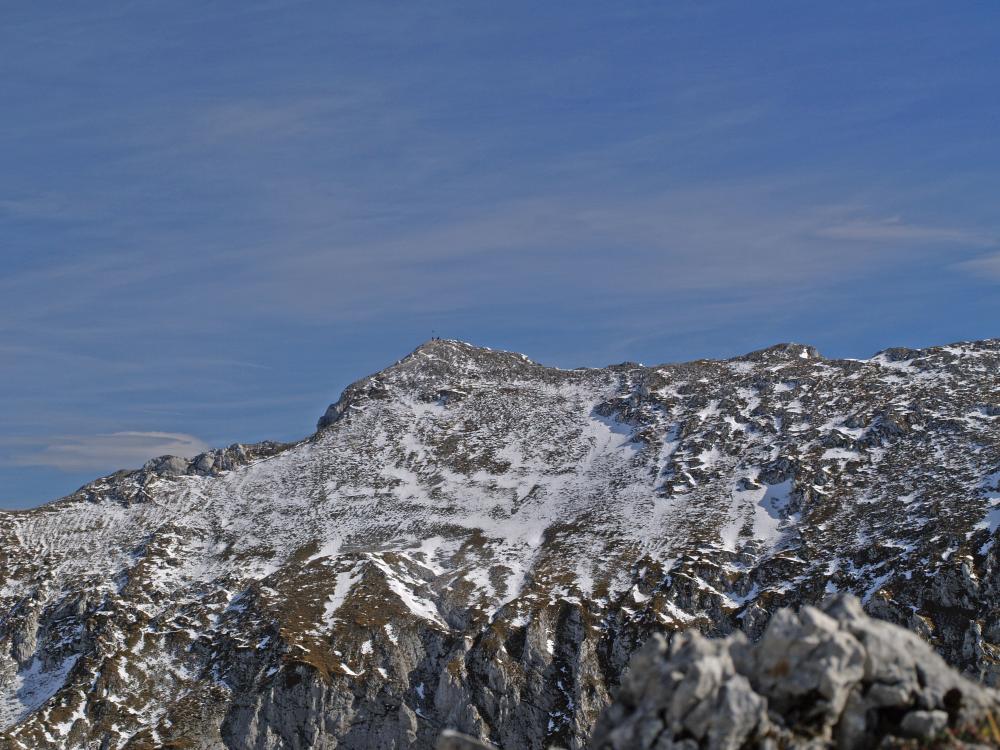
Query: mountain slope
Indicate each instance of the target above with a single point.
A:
(474, 540)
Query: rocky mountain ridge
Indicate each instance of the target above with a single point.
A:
(476, 541)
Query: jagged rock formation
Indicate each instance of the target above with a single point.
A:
(472, 540)
(830, 677)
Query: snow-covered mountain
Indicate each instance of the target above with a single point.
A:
(476, 541)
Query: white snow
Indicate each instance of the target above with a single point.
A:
(840, 454)
(768, 513)
(345, 582)
(30, 688)
(712, 410)
(390, 633)
(764, 505)
(638, 597)
(400, 585)
(991, 521)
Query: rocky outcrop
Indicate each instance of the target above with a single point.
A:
(826, 677)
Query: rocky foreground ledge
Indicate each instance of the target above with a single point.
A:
(818, 678)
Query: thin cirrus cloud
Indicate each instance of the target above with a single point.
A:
(987, 267)
(105, 452)
(894, 229)
(716, 239)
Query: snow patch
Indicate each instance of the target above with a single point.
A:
(342, 588)
(31, 688)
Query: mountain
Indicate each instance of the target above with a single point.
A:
(475, 541)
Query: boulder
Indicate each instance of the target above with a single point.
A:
(820, 677)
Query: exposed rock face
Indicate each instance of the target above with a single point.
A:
(830, 677)
(472, 540)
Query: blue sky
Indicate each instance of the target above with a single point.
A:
(213, 216)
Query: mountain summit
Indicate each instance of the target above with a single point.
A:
(474, 541)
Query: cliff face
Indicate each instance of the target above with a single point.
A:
(473, 540)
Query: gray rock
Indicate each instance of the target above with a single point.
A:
(452, 740)
(693, 689)
(167, 466)
(829, 677)
(924, 724)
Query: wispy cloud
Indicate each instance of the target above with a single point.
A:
(895, 229)
(722, 238)
(985, 267)
(102, 452)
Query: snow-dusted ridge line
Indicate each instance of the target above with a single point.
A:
(878, 358)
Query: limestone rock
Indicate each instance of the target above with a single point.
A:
(452, 740)
(828, 677)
